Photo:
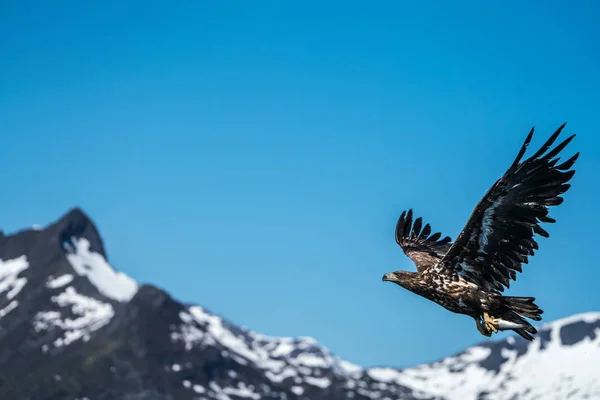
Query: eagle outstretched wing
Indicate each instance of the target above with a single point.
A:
(498, 237)
(417, 242)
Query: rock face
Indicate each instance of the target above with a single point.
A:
(71, 327)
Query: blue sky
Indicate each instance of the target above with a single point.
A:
(253, 157)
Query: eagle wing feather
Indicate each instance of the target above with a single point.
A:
(499, 235)
(417, 242)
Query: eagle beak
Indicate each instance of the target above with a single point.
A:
(388, 277)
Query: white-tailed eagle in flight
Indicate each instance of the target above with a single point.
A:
(468, 276)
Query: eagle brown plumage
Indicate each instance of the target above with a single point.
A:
(468, 276)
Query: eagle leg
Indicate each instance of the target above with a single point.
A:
(482, 329)
(490, 323)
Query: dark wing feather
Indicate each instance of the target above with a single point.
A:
(415, 240)
(498, 237)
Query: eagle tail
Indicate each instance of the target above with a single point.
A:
(523, 307)
(524, 333)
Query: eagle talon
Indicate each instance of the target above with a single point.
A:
(490, 323)
(482, 329)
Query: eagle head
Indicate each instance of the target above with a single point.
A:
(402, 278)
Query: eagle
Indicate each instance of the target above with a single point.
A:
(468, 276)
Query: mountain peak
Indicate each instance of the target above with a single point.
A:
(76, 235)
(76, 223)
(66, 250)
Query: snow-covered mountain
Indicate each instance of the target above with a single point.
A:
(71, 327)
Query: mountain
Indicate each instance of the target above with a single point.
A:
(71, 327)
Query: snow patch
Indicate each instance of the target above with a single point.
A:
(188, 333)
(348, 367)
(63, 280)
(91, 315)
(109, 282)
(241, 391)
(297, 390)
(311, 360)
(10, 281)
(319, 382)
(284, 348)
(384, 374)
(198, 389)
(11, 306)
